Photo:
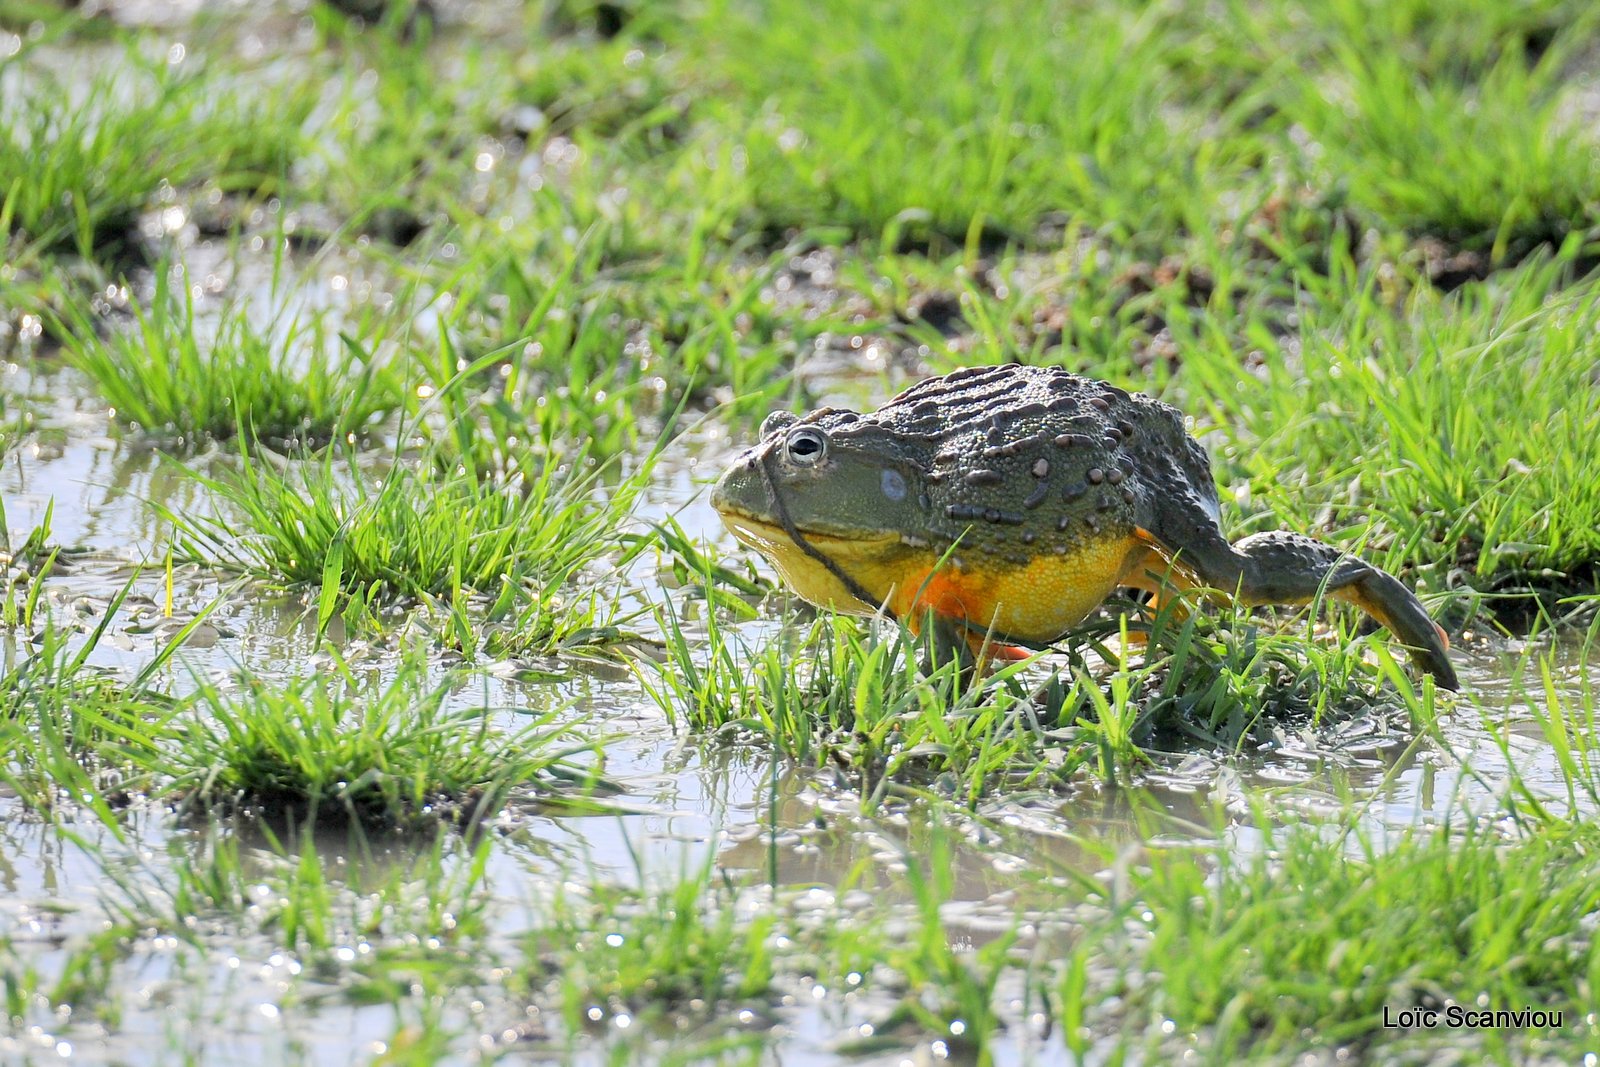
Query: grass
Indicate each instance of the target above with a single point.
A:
(28, 563)
(293, 380)
(282, 890)
(692, 313)
(56, 714)
(865, 698)
(16, 419)
(77, 177)
(1494, 163)
(399, 151)
(392, 755)
(619, 354)
(1304, 945)
(947, 991)
(633, 954)
(1087, 120)
(319, 748)
(1412, 426)
(1248, 952)
(353, 934)
(65, 722)
(1562, 712)
(416, 534)
(831, 693)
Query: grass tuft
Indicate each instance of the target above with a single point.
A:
(858, 698)
(418, 534)
(287, 381)
(327, 747)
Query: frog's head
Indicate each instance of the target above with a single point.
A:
(847, 486)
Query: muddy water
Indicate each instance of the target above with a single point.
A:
(682, 799)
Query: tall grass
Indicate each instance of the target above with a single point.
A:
(945, 120)
(1457, 431)
(1497, 162)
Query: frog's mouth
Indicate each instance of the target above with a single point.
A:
(768, 535)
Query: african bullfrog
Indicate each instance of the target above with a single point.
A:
(1010, 502)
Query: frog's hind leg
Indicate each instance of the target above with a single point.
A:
(1289, 568)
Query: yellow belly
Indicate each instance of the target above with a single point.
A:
(1033, 602)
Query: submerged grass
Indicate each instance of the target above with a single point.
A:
(282, 889)
(947, 991)
(689, 947)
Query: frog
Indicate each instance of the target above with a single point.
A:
(1007, 503)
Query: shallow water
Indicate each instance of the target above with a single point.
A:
(682, 799)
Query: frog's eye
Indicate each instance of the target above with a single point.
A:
(806, 446)
(778, 420)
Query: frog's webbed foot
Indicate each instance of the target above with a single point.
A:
(1289, 568)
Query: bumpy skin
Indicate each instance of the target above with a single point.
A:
(1015, 499)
